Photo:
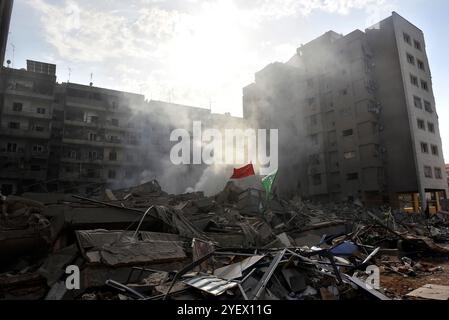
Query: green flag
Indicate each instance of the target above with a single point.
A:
(268, 182)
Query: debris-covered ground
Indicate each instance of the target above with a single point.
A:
(144, 244)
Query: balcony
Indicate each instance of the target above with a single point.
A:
(24, 174)
(80, 178)
(86, 104)
(27, 114)
(17, 133)
(83, 161)
(81, 123)
(30, 93)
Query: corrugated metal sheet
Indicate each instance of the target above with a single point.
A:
(211, 284)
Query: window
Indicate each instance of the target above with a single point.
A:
(352, 176)
(14, 125)
(427, 172)
(344, 92)
(93, 119)
(421, 124)
(17, 107)
(39, 129)
(407, 38)
(435, 150)
(349, 155)
(113, 156)
(93, 155)
(428, 106)
(112, 174)
(41, 110)
(410, 59)
(418, 102)
(92, 136)
(424, 85)
(424, 147)
(421, 65)
(129, 157)
(348, 133)
(317, 179)
(438, 173)
(114, 122)
(72, 154)
(431, 127)
(11, 147)
(128, 174)
(313, 120)
(38, 148)
(414, 80)
(311, 101)
(417, 45)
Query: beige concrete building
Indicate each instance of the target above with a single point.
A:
(363, 121)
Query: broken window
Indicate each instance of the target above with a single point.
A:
(347, 133)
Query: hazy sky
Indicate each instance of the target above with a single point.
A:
(202, 52)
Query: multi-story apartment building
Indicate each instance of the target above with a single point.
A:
(76, 138)
(5, 19)
(26, 111)
(365, 119)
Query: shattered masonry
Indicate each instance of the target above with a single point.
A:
(142, 243)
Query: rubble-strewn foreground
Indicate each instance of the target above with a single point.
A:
(144, 244)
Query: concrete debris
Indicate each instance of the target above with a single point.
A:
(144, 244)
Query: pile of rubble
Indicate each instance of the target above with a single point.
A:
(144, 244)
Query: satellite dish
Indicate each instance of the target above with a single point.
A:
(8, 62)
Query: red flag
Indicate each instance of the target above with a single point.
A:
(246, 171)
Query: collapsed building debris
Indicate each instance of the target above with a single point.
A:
(144, 244)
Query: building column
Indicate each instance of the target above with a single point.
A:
(423, 197)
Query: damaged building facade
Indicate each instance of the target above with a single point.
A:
(78, 138)
(358, 117)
